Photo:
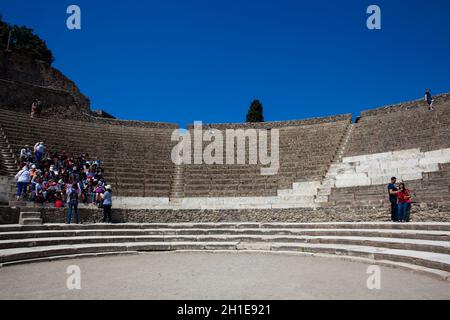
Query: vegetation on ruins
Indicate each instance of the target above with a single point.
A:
(24, 39)
(255, 112)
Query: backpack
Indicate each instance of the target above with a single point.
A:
(73, 196)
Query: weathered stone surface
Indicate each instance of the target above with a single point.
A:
(425, 212)
(9, 215)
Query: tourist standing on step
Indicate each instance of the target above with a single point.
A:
(26, 155)
(429, 100)
(34, 108)
(73, 194)
(23, 178)
(39, 107)
(39, 149)
(392, 191)
(404, 203)
(107, 204)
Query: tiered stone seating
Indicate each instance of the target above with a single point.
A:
(433, 188)
(423, 247)
(401, 129)
(397, 129)
(306, 151)
(136, 159)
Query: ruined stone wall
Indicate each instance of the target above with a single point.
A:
(18, 96)
(38, 79)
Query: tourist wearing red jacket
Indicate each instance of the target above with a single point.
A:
(404, 203)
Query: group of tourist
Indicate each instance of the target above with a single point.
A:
(60, 179)
(400, 199)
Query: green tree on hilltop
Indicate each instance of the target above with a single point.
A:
(23, 39)
(255, 112)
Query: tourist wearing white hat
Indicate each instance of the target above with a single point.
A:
(107, 204)
(26, 155)
(23, 178)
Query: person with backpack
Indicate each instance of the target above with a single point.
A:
(23, 178)
(73, 193)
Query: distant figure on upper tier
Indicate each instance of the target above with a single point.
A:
(429, 100)
(34, 108)
(39, 107)
(392, 191)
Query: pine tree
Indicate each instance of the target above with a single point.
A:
(255, 112)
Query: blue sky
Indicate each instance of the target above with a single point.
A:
(180, 61)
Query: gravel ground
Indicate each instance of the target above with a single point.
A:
(221, 275)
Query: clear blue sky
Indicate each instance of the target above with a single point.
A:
(180, 61)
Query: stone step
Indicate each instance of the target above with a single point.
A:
(30, 221)
(30, 214)
(435, 261)
(425, 259)
(71, 256)
(398, 234)
(16, 254)
(437, 226)
(393, 243)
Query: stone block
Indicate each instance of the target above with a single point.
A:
(306, 189)
(380, 180)
(434, 160)
(411, 176)
(442, 153)
(399, 163)
(406, 154)
(353, 182)
(368, 157)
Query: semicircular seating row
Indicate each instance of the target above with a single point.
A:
(423, 247)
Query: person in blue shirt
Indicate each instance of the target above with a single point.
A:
(392, 191)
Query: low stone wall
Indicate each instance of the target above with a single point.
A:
(22, 67)
(422, 213)
(5, 188)
(131, 123)
(419, 103)
(279, 124)
(9, 215)
(18, 96)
